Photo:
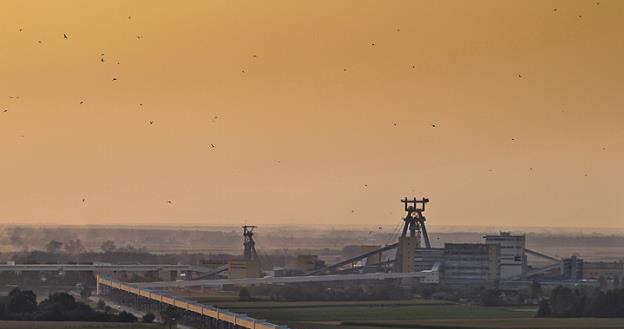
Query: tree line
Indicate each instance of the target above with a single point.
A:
(22, 305)
(565, 302)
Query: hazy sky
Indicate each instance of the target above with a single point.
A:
(320, 112)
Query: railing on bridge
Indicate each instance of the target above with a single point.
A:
(208, 316)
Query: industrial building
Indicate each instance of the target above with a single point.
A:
(573, 268)
(513, 260)
(607, 270)
(471, 262)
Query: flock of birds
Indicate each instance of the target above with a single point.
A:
(151, 122)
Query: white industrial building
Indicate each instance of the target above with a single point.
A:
(512, 256)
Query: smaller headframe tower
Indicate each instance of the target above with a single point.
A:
(414, 224)
(249, 243)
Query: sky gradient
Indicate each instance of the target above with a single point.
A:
(320, 112)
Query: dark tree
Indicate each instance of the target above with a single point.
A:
(536, 289)
(75, 247)
(85, 292)
(126, 317)
(108, 246)
(149, 318)
(169, 316)
(491, 297)
(244, 295)
(20, 301)
(543, 309)
(54, 246)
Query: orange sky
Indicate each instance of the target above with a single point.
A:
(297, 137)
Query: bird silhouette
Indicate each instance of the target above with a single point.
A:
(64, 36)
(81, 102)
(114, 79)
(212, 145)
(102, 59)
(151, 122)
(433, 126)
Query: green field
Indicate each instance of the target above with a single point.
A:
(407, 314)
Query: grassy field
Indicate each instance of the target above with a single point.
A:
(72, 325)
(407, 314)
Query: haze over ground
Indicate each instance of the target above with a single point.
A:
(319, 112)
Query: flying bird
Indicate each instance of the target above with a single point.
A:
(151, 122)
(433, 126)
(81, 102)
(64, 36)
(114, 79)
(212, 145)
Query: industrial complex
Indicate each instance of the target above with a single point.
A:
(500, 259)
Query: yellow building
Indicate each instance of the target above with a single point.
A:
(242, 269)
(306, 263)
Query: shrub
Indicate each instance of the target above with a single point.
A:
(149, 318)
(126, 317)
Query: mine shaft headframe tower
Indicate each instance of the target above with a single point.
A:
(415, 220)
(249, 243)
